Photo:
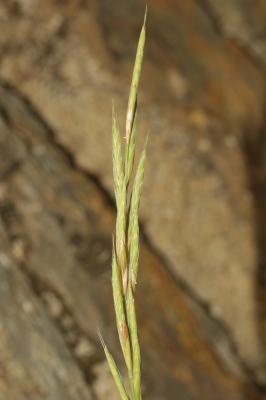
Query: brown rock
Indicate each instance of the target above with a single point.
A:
(65, 221)
(243, 22)
(203, 94)
(35, 363)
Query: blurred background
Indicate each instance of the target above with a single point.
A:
(202, 288)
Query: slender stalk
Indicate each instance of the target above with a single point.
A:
(126, 238)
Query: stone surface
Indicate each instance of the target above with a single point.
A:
(202, 97)
(35, 363)
(66, 224)
(243, 21)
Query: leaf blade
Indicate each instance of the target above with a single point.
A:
(114, 371)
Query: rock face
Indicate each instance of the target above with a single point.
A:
(244, 23)
(56, 228)
(203, 102)
(35, 363)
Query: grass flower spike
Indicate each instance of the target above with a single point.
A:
(126, 239)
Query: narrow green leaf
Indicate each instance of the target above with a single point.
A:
(115, 372)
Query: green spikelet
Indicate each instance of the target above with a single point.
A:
(119, 304)
(130, 154)
(118, 172)
(133, 234)
(132, 100)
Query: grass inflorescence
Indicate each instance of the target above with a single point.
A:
(125, 258)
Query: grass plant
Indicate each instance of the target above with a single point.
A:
(125, 257)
